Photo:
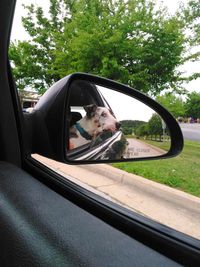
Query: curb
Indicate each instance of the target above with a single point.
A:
(130, 179)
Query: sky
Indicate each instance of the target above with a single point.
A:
(18, 33)
(126, 107)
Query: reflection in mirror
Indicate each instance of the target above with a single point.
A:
(107, 125)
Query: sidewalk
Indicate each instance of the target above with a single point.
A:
(166, 205)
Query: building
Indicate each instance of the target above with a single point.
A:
(28, 99)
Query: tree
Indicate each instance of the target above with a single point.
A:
(127, 130)
(189, 15)
(129, 126)
(173, 104)
(192, 105)
(27, 69)
(155, 125)
(142, 130)
(133, 42)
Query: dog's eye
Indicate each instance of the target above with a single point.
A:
(103, 114)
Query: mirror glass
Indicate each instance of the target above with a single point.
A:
(103, 124)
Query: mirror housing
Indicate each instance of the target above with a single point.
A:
(48, 122)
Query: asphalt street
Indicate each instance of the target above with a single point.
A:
(191, 131)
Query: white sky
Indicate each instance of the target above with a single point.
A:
(19, 33)
(126, 107)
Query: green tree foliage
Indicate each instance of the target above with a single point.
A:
(155, 125)
(142, 130)
(173, 104)
(27, 68)
(131, 123)
(127, 130)
(129, 126)
(189, 15)
(152, 128)
(192, 105)
(133, 42)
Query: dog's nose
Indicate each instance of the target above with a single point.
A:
(118, 125)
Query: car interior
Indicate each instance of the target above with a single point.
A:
(46, 220)
(87, 94)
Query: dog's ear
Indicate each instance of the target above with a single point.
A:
(90, 110)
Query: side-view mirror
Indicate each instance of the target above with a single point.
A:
(88, 119)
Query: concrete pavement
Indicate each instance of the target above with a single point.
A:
(138, 149)
(166, 205)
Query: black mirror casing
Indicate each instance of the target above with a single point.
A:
(48, 120)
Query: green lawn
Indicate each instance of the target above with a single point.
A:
(163, 145)
(181, 172)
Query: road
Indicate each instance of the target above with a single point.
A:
(139, 149)
(161, 203)
(191, 131)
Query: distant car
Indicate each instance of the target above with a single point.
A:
(192, 120)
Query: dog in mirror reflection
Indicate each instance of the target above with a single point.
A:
(96, 121)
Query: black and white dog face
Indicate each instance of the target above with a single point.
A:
(101, 119)
(96, 121)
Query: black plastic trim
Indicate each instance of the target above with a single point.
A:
(9, 141)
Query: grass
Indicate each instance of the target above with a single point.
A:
(181, 172)
(163, 145)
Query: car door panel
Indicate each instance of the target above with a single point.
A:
(41, 228)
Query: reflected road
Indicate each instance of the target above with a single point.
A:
(138, 149)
